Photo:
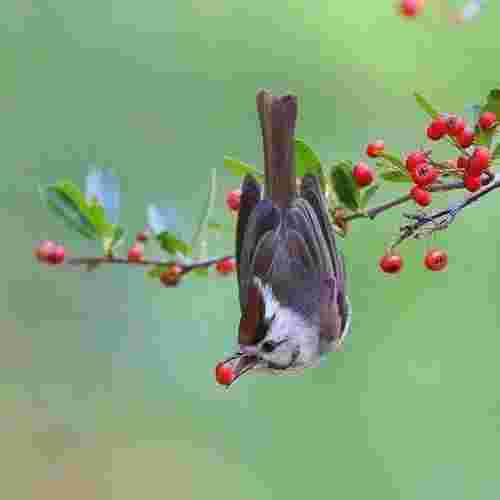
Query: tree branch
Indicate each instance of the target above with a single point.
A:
(443, 218)
(93, 262)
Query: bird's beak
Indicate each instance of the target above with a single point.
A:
(241, 364)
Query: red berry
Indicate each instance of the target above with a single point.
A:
(455, 125)
(437, 129)
(363, 174)
(466, 137)
(462, 162)
(224, 374)
(414, 159)
(487, 120)
(171, 276)
(472, 183)
(233, 199)
(391, 263)
(480, 161)
(375, 148)
(436, 260)
(424, 175)
(56, 256)
(411, 8)
(43, 250)
(135, 253)
(142, 237)
(421, 196)
(226, 266)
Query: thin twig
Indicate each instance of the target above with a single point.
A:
(93, 262)
(372, 213)
(443, 218)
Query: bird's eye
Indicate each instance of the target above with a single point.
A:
(269, 346)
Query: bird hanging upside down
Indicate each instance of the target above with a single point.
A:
(294, 307)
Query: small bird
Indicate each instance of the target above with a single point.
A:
(291, 277)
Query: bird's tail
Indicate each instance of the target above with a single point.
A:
(277, 119)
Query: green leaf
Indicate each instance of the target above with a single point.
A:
(395, 176)
(97, 215)
(492, 102)
(173, 244)
(367, 195)
(103, 187)
(393, 160)
(426, 105)
(66, 200)
(240, 168)
(199, 240)
(496, 153)
(308, 162)
(344, 185)
(115, 240)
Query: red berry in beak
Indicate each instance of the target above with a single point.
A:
(224, 374)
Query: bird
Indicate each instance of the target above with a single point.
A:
(290, 271)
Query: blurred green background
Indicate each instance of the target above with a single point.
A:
(107, 379)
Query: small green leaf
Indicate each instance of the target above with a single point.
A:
(367, 195)
(240, 168)
(97, 216)
(492, 102)
(308, 162)
(199, 242)
(103, 187)
(172, 244)
(344, 185)
(395, 176)
(66, 200)
(496, 153)
(426, 105)
(393, 160)
(115, 240)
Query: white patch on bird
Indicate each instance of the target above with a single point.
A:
(271, 304)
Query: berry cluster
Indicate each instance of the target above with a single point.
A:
(50, 253)
(469, 165)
